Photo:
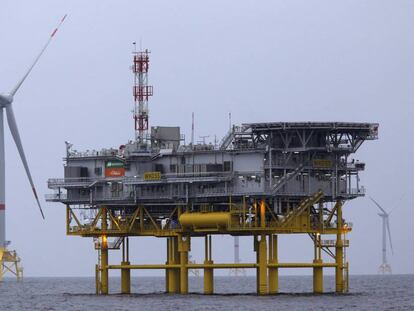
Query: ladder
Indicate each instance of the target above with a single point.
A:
(285, 178)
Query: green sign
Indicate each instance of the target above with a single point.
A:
(114, 164)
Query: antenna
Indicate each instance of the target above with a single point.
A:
(230, 121)
(192, 129)
(141, 91)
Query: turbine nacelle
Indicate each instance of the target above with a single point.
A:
(5, 99)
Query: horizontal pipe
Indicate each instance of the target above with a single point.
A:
(301, 265)
(205, 220)
(151, 267)
(224, 266)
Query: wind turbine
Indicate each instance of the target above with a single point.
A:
(6, 100)
(385, 267)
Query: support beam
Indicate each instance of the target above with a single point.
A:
(176, 260)
(97, 279)
(225, 266)
(125, 278)
(208, 272)
(125, 272)
(173, 259)
(339, 251)
(167, 270)
(261, 272)
(104, 254)
(317, 270)
(183, 249)
(273, 271)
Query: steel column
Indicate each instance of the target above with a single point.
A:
(261, 271)
(183, 248)
(273, 271)
(125, 272)
(339, 252)
(317, 270)
(208, 272)
(104, 255)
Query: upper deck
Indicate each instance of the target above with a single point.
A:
(283, 160)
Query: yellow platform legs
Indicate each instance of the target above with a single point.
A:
(10, 262)
(267, 265)
(261, 260)
(339, 252)
(317, 270)
(125, 271)
(273, 271)
(208, 272)
(173, 258)
(183, 249)
(104, 278)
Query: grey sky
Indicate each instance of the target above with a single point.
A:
(263, 61)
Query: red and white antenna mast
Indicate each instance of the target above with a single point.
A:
(142, 91)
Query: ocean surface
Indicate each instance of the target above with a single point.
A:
(392, 292)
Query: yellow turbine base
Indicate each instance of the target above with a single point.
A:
(10, 263)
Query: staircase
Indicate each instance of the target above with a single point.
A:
(225, 142)
(282, 181)
(303, 205)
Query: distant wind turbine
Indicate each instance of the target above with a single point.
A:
(385, 267)
(6, 100)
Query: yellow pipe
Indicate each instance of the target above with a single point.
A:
(205, 220)
(146, 267)
(222, 266)
(302, 265)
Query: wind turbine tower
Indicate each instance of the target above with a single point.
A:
(237, 271)
(9, 260)
(385, 267)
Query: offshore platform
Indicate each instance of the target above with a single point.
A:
(262, 180)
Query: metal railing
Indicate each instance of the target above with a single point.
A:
(95, 153)
(89, 181)
(332, 243)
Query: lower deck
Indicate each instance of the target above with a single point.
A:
(112, 227)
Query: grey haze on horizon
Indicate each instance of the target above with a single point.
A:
(268, 61)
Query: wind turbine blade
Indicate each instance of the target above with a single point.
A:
(379, 206)
(16, 136)
(389, 234)
(19, 84)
